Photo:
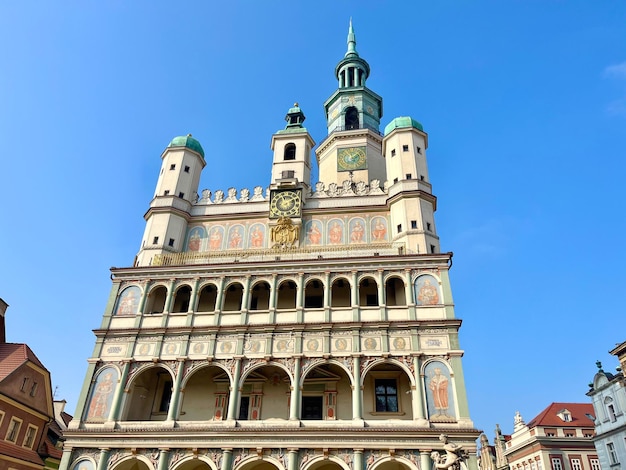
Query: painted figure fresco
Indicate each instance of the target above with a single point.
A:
(257, 236)
(313, 232)
(357, 231)
(128, 301)
(195, 242)
(216, 235)
(335, 232)
(427, 291)
(439, 392)
(235, 237)
(84, 465)
(102, 395)
(379, 229)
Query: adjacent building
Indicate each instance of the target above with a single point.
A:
(300, 325)
(558, 438)
(608, 393)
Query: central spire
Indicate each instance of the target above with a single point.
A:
(351, 41)
(352, 70)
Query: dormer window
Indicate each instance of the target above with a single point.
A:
(565, 415)
(290, 152)
(352, 118)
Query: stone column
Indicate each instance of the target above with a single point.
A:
(220, 295)
(164, 457)
(425, 460)
(170, 296)
(299, 298)
(358, 460)
(356, 390)
(227, 458)
(66, 459)
(144, 297)
(294, 405)
(418, 396)
(234, 395)
(327, 296)
(103, 460)
(293, 459)
(119, 393)
(79, 414)
(245, 300)
(172, 412)
(194, 296)
(272, 302)
(354, 292)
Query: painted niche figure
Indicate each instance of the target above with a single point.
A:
(235, 239)
(128, 304)
(439, 386)
(215, 239)
(256, 237)
(356, 236)
(194, 242)
(380, 230)
(314, 234)
(428, 294)
(99, 404)
(335, 234)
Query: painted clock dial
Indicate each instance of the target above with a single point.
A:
(285, 203)
(351, 158)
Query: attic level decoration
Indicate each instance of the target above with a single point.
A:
(285, 234)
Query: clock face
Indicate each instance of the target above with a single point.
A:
(285, 203)
(351, 158)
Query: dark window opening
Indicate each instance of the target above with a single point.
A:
(155, 240)
(422, 177)
(288, 174)
(312, 407)
(24, 383)
(393, 153)
(244, 408)
(395, 180)
(386, 395)
(173, 166)
(164, 403)
(33, 389)
(432, 248)
(166, 192)
(414, 224)
(290, 152)
(419, 150)
(405, 148)
(399, 228)
(181, 195)
(187, 168)
(371, 300)
(352, 118)
(409, 176)
(171, 242)
(427, 225)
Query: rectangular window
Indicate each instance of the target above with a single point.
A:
(24, 384)
(386, 395)
(576, 465)
(419, 150)
(428, 226)
(393, 152)
(395, 180)
(181, 195)
(610, 447)
(399, 228)
(312, 407)
(155, 240)
(595, 464)
(173, 166)
(409, 176)
(187, 168)
(33, 389)
(14, 429)
(171, 242)
(244, 408)
(432, 249)
(556, 463)
(570, 434)
(285, 174)
(421, 177)
(413, 224)
(166, 395)
(166, 192)
(29, 439)
(405, 148)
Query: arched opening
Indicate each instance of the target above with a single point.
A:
(326, 394)
(195, 464)
(395, 464)
(368, 292)
(156, 300)
(265, 394)
(260, 296)
(233, 297)
(286, 295)
(340, 294)
(387, 393)
(352, 118)
(207, 298)
(131, 464)
(314, 294)
(149, 396)
(290, 152)
(205, 395)
(256, 464)
(181, 299)
(395, 294)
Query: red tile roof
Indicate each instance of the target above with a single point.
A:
(13, 355)
(579, 411)
(18, 452)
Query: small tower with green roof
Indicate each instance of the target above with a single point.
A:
(353, 148)
(176, 191)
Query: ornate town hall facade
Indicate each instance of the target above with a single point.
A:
(298, 326)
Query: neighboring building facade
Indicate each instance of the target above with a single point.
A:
(26, 407)
(558, 438)
(299, 327)
(492, 457)
(608, 393)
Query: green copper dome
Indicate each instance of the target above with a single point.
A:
(187, 141)
(403, 121)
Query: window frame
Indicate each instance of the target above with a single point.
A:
(11, 429)
(386, 375)
(26, 435)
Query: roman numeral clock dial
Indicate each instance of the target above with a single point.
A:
(285, 203)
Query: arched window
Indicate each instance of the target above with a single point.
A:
(368, 293)
(233, 297)
(340, 294)
(207, 298)
(290, 152)
(181, 300)
(314, 294)
(394, 292)
(156, 300)
(260, 298)
(352, 118)
(286, 295)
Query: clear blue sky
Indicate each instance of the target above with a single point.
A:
(524, 103)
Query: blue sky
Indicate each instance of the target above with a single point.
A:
(524, 103)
